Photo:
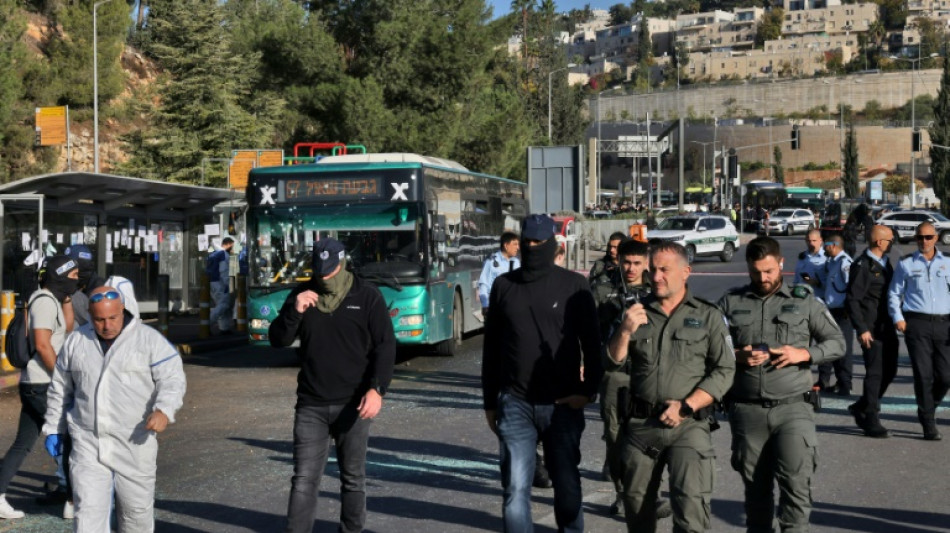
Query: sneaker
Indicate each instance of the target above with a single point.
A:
(69, 510)
(7, 511)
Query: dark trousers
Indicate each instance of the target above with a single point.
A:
(880, 364)
(32, 413)
(314, 426)
(927, 343)
(841, 367)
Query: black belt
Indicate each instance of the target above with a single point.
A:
(925, 316)
(644, 409)
(768, 404)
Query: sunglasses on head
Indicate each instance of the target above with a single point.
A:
(99, 296)
(925, 237)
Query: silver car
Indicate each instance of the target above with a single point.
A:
(786, 221)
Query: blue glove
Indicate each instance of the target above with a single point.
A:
(54, 445)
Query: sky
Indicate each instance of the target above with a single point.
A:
(502, 7)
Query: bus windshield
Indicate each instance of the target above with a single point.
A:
(383, 242)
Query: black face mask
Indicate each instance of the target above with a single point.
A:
(61, 287)
(537, 261)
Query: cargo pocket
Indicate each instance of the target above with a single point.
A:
(740, 327)
(686, 341)
(810, 452)
(792, 329)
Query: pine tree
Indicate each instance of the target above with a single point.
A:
(849, 180)
(939, 131)
(206, 109)
(779, 169)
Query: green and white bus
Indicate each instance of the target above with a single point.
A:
(418, 227)
(807, 197)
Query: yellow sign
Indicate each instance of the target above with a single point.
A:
(51, 125)
(238, 174)
(270, 158)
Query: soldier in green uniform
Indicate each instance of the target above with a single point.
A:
(680, 361)
(780, 331)
(607, 266)
(629, 286)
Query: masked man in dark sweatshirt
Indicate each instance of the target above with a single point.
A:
(543, 319)
(347, 351)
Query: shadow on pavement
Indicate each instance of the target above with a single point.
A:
(221, 514)
(876, 519)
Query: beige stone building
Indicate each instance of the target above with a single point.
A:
(715, 30)
(846, 18)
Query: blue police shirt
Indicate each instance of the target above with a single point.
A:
(496, 265)
(919, 286)
(814, 266)
(837, 271)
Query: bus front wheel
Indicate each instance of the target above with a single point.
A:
(450, 346)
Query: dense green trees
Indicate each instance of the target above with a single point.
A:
(428, 76)
(939, 131)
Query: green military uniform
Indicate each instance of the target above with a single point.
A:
(773, 425)
(611, 303)
(668, 359)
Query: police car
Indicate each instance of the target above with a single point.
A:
(904, 224)
(700, 234)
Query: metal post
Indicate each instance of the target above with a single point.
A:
(241, 303)
(204, 309)
(7, 306)
(913, 155)
(163, 285)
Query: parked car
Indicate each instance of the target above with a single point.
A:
(787, 221)
(904, 224)
(701, 235)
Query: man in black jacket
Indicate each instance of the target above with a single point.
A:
(542, 317)
(347, 351)
(866, 301)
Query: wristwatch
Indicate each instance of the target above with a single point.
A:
(686, 410)
(380, 390)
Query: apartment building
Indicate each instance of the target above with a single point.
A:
(618, 43)
(832, 19)
(703, 32)
(801, 56)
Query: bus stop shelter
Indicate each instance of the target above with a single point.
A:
(135, 228)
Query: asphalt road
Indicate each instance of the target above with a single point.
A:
(226, 464)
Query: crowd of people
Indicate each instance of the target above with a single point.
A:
(664, 361)
(101, 385)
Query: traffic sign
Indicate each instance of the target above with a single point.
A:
(51, 125)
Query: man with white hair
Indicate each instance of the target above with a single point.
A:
(116, 385)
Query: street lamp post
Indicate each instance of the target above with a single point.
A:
(914, 65)
(713, 143)
(550, 75)
(95, 85)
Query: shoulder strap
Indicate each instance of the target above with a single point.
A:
(29, 305)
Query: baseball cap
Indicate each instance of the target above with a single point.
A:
(537, 228)
(327, 255)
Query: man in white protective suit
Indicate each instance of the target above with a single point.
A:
(116, 385)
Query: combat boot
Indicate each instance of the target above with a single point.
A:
(873, 428)
(930, 428)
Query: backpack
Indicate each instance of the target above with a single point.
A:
(17, 346)
(211, 267)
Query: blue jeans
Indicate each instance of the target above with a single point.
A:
(520, 424)
(32, 413)
(314, 426)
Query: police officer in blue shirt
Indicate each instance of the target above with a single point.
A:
(503, 260)
(919, 305)
(835, 279)
(810, 268)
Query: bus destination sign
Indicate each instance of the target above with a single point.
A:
(332, 188)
